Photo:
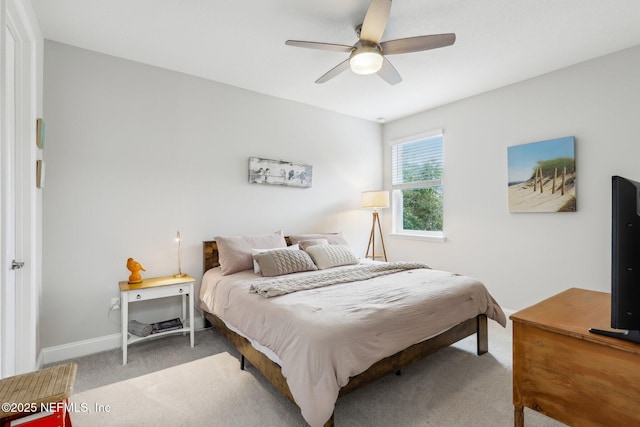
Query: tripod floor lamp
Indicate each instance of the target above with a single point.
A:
(375, 200)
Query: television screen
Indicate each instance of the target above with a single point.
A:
(625, 253)
(625, 260)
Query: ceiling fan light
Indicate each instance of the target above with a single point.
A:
(368, 62)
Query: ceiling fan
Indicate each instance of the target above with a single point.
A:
(367, 56)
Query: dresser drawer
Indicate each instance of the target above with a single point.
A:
(577, 381)
(165, 291)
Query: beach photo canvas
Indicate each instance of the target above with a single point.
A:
(542, 176)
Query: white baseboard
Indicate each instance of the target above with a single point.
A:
(72, 350)
(62, 352)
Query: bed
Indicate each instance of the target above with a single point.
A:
(314, 344)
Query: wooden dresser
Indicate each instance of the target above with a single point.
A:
(562, 370)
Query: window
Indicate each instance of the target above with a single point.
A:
(416, 181)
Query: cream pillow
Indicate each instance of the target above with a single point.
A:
(304, 244)
(254, 252)
(234, 252)
(328, 256)
(332, 238)
(284, 261)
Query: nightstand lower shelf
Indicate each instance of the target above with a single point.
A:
(154, 288)
(132, 339)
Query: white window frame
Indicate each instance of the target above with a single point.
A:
(396, 195)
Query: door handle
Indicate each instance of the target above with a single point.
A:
(15, 265)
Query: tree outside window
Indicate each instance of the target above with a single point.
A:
(417, 170)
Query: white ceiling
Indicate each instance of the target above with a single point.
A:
(241, 43)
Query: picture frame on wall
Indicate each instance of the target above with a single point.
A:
(40, 133)
(278, 172)
(542, 176)
(40, 173)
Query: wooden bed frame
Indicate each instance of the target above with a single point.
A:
(394, 363)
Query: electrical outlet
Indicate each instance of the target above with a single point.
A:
(115, 303)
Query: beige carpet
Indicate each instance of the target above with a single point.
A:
(451, 388)
(207, 392)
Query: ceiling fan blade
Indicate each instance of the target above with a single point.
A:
(334, 71)
(389, 73)
(375, 21)
(319, 46)
(416, 44)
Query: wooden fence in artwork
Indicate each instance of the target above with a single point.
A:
(538, 180)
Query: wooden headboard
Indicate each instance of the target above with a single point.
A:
(210, 254)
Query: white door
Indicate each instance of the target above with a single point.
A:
(8, 204)
(17, 106)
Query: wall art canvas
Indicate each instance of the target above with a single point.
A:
(40, 173)
(278, 172)
(542, 176)
(40, 133)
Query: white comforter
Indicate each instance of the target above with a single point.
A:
(324, 336)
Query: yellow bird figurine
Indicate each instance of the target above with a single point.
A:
(134, 267)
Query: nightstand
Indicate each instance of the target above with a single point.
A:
(154, 288)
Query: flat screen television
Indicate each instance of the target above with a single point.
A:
(625, 260)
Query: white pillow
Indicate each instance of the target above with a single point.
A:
(332, 238)
(304, 244)
(328, 256)
(254, 252)
(234, 252)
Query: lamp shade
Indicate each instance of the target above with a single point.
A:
(375, 199)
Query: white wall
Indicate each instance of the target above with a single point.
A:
(526, 257)
(135, 153)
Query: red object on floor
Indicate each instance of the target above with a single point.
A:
(59, 417)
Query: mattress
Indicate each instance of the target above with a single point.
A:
(323, 336)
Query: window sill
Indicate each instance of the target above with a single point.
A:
(423, 237)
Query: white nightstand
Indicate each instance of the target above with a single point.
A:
(157, 287)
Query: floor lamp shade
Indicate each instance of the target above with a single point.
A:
(375, 200)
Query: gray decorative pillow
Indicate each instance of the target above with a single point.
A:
(284, 261)
(256, 266)
(328, 256)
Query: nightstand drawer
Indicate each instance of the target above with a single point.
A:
(152, 293)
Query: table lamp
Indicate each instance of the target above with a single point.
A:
(178, 239)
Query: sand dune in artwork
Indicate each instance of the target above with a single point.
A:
(523, 198)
